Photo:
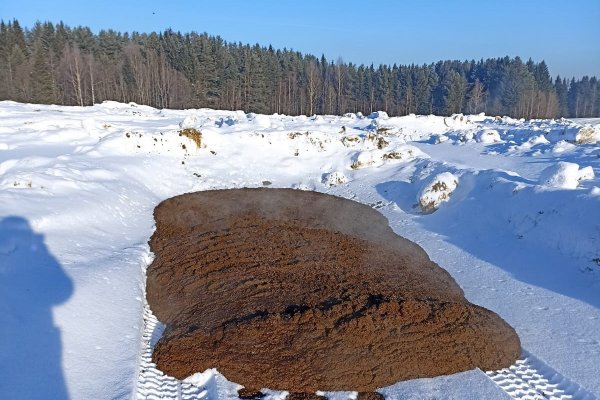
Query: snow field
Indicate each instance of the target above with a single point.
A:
(518, 230)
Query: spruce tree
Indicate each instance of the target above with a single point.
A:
(41, 78)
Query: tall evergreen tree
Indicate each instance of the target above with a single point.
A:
(56, 63)
(561, 88)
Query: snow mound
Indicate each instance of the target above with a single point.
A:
(488, 136)
(576, 133)
(540, 139)
(562, 146)
(378, 157)
(565, 175)
(466, 136)
(260, 120)
(334, 178)
(588, 134)
(379, 114)
(457, 121)
(439, 138)
(404, 152)
(369, 158)
(307, 140)
(437, 191)
(352, 140)
(377, 140)
(190, 121)
(201, 378)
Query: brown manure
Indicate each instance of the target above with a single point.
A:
(303, 291)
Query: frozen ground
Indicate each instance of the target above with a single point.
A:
(513, 215)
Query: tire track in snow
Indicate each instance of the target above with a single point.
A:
(153, 384)
(527, 379)
(530, 378)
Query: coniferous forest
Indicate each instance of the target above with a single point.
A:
(56, 64)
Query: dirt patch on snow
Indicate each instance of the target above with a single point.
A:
(302, 291)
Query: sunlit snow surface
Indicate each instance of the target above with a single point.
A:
(520, 232)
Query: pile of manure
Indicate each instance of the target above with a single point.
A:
(302, 291)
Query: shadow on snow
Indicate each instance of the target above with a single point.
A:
(480, 225)
(31, 283)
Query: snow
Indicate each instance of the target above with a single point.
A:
(519, 230)
(379, 114)
(437, 191)
(204, 379)
(565, 175)
(587, 134)
(488, 136)
(334, 178)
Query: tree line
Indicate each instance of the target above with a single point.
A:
(56, 64)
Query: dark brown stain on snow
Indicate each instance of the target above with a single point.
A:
(302, 291)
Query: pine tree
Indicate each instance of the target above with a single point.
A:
(561, 88)
(54, 63)
(41, 78)
(455, 88)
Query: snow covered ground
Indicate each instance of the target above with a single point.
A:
(510, 208)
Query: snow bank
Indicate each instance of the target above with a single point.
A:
(404, 152)
(191, 121)
(260, 120)
(539, 139)
(457, 121)
(588, 134)
(437, 139)
(488, 136)
(562, 146)
(466, 136)
(565, 175)
(379, 114)
(369, 158)
(205, 380)
(378, 157)
(437, 191)
(576, 133)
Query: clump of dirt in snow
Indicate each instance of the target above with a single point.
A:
(334, 178)
(302, 291)
(192, 134)
(437, 191)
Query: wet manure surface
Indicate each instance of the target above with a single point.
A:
(302, 291)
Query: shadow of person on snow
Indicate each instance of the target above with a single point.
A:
(31, 283)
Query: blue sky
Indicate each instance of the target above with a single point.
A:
(564, 33)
